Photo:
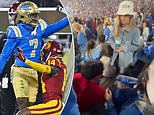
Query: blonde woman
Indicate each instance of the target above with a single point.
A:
(81, 38)
(125, 38)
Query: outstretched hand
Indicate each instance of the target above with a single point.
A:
(20, 55)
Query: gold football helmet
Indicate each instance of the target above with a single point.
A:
(27, 12)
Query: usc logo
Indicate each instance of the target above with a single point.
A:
(48, 45)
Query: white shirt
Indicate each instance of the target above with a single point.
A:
(145, 33)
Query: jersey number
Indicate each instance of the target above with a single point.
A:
(34, 43)
(53, 62)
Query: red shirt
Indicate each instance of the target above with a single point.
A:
(88, 93)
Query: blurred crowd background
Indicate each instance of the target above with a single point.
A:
(100, 8)
(40, 3)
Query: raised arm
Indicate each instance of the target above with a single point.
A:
(55, 27)
(37, 66)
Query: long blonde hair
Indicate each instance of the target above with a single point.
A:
(78, 28)
(118, 24)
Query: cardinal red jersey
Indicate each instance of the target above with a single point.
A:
(53, 86)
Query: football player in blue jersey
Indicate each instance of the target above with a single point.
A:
(27, 35)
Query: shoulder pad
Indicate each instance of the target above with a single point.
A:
(13, 31)
(43, 24)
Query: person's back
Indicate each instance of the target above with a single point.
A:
(99, 47)
(91, 52)
(84, 90)
(89, 93)
(91, 33)
(82, 42)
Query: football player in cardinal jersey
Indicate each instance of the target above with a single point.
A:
(53, 80)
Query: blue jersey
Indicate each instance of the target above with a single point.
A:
(29, 42)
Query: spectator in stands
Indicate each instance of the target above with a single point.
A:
(139, 21)
(90, 96)
(107, 22)
(126, 38)
(150, 19)
(108, 29)
(99, 27)
(151, 38)
(144, 57)
(91, 52)
(90, 8)
(145, 33)
(109, 72)
(130, 103)
(125, 102)
(147, 54)
(76, 19)
(91, 32)
(106, 55)
(93, 22)
(81, 38)
(99, 47)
